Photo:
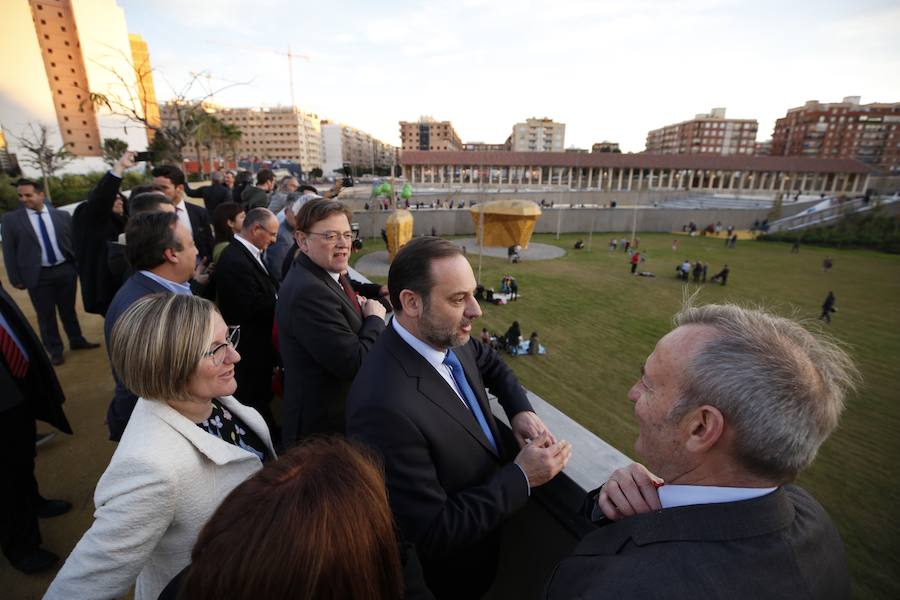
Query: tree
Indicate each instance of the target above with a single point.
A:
(315, 172)
(183, 115)
(40, 154)
(113, 149)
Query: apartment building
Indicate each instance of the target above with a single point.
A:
(428, 134)
(143, 74)
(537, 135)
(869, 133)
(605, 146)
(343, 145)
(710, 134)
(57, 53)
(277, 133)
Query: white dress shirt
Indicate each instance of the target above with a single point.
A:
(433, 357)
(183, 217)
(253, 250)
(44, 215)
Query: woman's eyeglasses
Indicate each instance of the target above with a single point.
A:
(219, 353)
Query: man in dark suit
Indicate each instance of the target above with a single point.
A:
(162, 254)
(731, 405)
(171, 181)
(420, 400)
(214, 194)
(324, 328)
(29, 390)
(37, 250)
(97, 222)
(246, 294)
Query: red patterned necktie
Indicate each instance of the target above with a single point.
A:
(15, 359)
(351, 295)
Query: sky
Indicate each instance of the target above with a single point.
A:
(608, 70)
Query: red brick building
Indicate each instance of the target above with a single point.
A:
(706, 134)
(869, 133)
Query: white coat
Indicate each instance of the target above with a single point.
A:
(163, 483)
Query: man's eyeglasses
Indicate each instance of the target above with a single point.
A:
(332, 236)
(219, 353)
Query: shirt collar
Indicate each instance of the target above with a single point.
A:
(671, 496)
(434, 357)
(31, 211)
(253, 249)
(172, 286)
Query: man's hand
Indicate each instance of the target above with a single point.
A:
(629, 491)
(371, 307)
(126, 161)
(201, 272)
(541, 460)
(527, 426)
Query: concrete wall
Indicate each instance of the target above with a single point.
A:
(574, 220)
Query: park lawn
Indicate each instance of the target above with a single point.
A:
(599, 323)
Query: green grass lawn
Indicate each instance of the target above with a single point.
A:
(599, 323)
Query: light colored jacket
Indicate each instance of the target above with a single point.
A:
(163, 483)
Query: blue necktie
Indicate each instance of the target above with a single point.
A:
(51, 255)
(468, 395)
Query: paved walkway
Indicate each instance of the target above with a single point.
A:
(377, 264)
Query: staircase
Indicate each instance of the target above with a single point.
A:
(828, 211)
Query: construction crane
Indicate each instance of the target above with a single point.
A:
(289, 54)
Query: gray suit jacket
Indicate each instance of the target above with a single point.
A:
(22, 250)
(781, 545)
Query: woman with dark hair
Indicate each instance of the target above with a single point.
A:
(313, 525)
(228, 218)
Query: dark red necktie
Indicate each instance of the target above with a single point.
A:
(15, 359)
(351, 295)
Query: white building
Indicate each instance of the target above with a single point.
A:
(538, 135)
(344, 145)
(55, 54)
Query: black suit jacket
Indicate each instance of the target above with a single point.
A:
(781, 545)
(40, 388)
(203, 238)
(135, 287)
(213, 195)
(93, 226)
(448, 490)
(246, 294)
(323, 343)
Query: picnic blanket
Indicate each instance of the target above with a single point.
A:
(522, 349)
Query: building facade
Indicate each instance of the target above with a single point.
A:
(343, 145)
(482, 147)
(612, 172)
(867, 132)
(143, 71)
(428, 134)
(605, 146)
(277, 133)
(537, 135)
(708, 134)
(64, 51)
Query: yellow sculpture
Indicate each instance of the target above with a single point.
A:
(399, 228)
(506, 222)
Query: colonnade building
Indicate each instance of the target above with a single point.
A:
(610, 172)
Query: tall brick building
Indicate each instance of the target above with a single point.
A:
(708, 134)
(869, 133)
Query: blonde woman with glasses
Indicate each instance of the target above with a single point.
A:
(187, 445)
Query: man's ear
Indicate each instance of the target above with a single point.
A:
(411, 303)
(170, 255)
(301, 239)
(705, 426)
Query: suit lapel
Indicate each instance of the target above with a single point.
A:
(258, 267)
(329, 282)
(431, 385)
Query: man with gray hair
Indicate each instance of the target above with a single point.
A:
(732, 405)
(246, 294)
(279, 198)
